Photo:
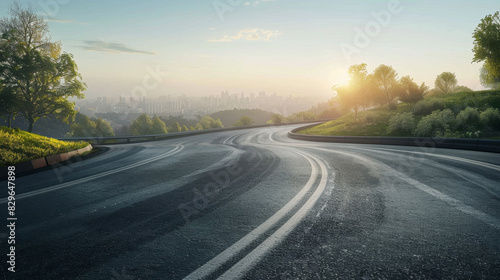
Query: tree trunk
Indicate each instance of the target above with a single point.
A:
(30, 128)
(9, 121)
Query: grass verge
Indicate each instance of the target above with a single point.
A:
(18, 146)
(375, 122)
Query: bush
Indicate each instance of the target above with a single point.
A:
(490, 118)
(468, 120)
(437, 123)
(401, 123)
(427, 106)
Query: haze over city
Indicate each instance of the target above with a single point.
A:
(289, 47)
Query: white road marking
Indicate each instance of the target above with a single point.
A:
(219, 260)
(455, 203)
(475, 162)
(250, 260)
(177, 149)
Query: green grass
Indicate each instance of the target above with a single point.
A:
(18, 146)
(374, 122)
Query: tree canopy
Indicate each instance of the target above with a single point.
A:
(33, 70)
(385, 78)
(487, 49)
(446, 82)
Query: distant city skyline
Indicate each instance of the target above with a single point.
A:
(190, 107)
(291, 47)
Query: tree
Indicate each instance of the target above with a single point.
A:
(356, 94)
(8, 105)
(277, 119)
(445, 82)
(198, 126)
(158, 126)
(83, 126)
(103, 128)
(488, 80)
(244, 121)
(34, 69)
(462, 89)
(385, 79)
(487, 48)
(409, 92)
(142, 125)
(208, 122)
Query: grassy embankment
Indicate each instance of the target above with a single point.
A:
(18, 146)
(375, 122)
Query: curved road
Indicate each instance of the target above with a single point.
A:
(254, 204)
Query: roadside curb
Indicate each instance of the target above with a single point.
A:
(483, 145)
(43, 162)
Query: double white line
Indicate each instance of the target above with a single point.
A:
(239, 269)
(176, 150)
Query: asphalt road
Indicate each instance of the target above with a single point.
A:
(254, 204)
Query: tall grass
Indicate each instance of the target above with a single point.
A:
(18, 146)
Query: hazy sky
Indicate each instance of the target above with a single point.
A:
(292, 47)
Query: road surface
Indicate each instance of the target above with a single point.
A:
(254, 204)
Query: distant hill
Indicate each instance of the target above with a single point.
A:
(229, 117)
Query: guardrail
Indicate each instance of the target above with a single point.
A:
(157, 137)
(483, 145)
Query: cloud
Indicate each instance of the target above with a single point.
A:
(250, 34)
(64, 21)
(101, 46)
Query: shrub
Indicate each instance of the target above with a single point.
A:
(468, 119)
(427, 106)
(490, 118)
(401, 123)
(393, 106)
(436, 123)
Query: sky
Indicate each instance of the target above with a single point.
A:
(291, 47)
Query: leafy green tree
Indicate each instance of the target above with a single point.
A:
(446, 82)
(277, 119)
(462, 89)
(385, 80)
(244, 121)
(142, 125)
(208, 122)
(487, 49)
(34, 69)
(103, 128)
(198, 126)
(185, 128)
(83, 126)
(488, 80)
(158, 126)
(409, 92)
(8, 105)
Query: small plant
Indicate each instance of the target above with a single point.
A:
(427, 106)
(402, 123)
(490, 118)
(468, 119)
(438, 121)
